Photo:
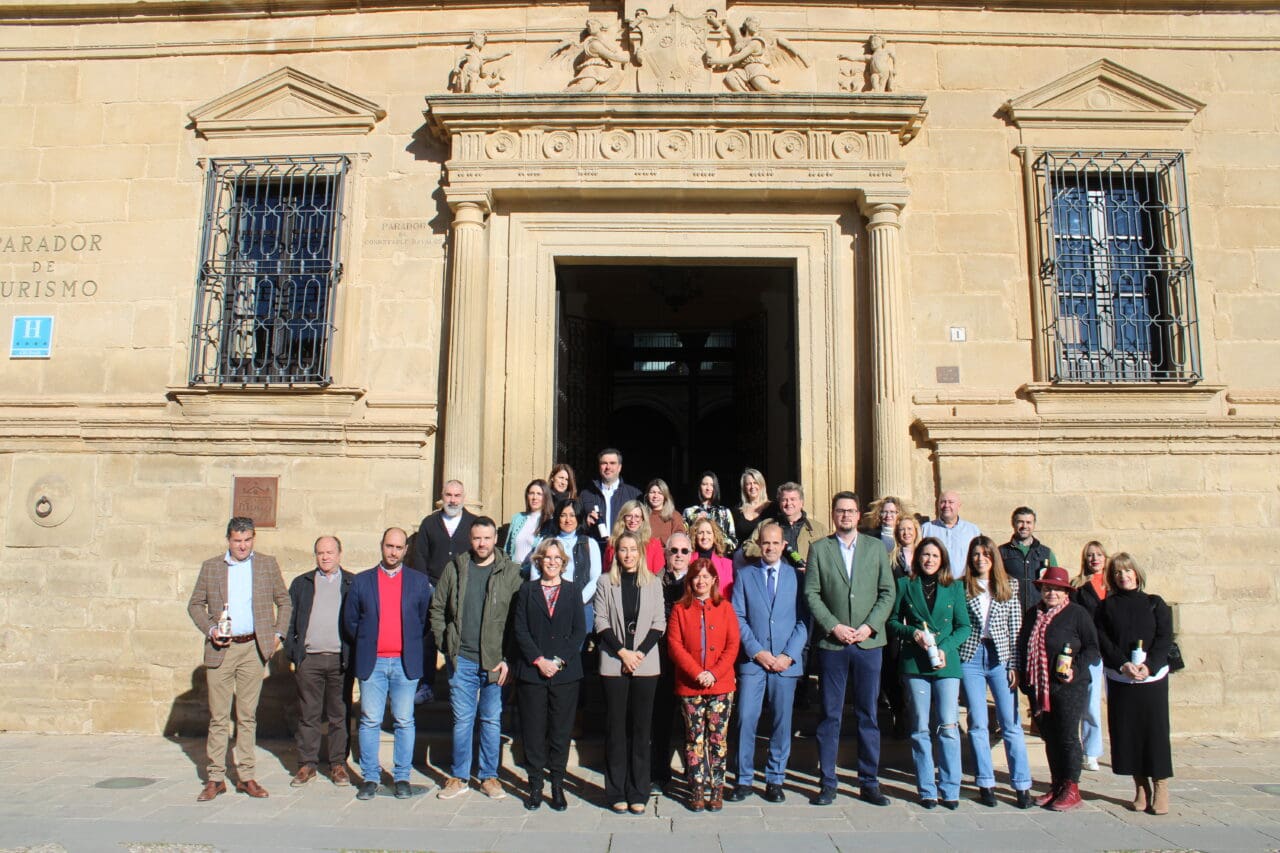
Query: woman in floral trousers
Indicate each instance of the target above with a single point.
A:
(702, 638)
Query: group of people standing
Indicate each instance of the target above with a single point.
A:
(718, 613)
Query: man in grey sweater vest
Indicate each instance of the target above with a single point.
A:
(321, 659)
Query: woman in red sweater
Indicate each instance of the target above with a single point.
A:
(702, 639)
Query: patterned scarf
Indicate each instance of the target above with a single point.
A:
(1038, 657)
(551, 594)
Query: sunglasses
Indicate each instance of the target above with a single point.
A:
(680, 550)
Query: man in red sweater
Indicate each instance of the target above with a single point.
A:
(386, 614)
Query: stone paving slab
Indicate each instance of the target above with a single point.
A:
(49, 802)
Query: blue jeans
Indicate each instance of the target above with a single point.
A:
(1091, 722)
(982, 672)
(387, 678)
(935, 699)
(471, 694)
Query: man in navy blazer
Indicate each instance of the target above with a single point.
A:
(769, 599)
(602, 498)
(386, 617)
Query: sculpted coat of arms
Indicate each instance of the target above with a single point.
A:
(668, 52)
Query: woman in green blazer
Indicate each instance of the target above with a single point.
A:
(931, 618)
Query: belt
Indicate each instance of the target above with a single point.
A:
(243, 638)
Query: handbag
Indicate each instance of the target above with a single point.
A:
(1174, 658)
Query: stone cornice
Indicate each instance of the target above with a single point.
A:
(1098, 435)
(224, 422)
(115, 10)
(112, 42)
(629, 143)
(259, 437)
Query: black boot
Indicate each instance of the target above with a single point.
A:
(557, 801)
(534, 799)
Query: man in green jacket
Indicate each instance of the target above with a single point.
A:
(849, 588)
(469, 621)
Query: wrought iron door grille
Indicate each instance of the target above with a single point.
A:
(270, 259)
(1115, 264)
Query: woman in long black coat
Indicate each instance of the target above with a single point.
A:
(550, 629)
(1135, 631)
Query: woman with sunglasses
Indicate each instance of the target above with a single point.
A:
(679, 555)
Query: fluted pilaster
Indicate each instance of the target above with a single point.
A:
(892, 440)
(464, 391)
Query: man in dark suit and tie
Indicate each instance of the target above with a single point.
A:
(772, 615)
(241, 606)
(850, 592)
(442, 535)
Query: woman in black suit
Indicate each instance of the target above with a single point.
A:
(550, 628)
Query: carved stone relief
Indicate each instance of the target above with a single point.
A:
(754, 56)
(599, 64)
(880, 68)
(472, 74)
(671, 53)
(673, 145)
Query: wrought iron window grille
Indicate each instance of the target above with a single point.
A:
(1116, 268)
(270, 259)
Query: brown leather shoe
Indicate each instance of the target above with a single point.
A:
(305, 774)
(211, 790)
(338, 773)
(253, 789)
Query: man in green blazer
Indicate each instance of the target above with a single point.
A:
(850, 592)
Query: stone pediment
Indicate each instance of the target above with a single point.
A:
(1103, 94)
(286, 102)
(628, 143)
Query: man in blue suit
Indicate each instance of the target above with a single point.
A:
(386, 615)
(770, 602)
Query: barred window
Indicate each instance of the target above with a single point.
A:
(1116, 267)
(270, 259)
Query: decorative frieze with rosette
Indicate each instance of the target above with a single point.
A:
(529, 143)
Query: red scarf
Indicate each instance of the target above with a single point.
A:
(1038, 658)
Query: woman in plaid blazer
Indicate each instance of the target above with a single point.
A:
(988, 661)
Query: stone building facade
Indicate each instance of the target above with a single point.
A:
(1029, 252)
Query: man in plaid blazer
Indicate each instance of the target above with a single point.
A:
(250, 587)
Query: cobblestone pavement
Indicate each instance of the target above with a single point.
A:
(72, 792)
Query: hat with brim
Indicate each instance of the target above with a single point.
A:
(1055, 577)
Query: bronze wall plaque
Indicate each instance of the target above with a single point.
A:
(255, 497)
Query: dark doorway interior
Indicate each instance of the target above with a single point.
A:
(683, 368)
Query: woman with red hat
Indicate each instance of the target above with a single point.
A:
(1056, 646)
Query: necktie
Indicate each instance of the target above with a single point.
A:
(772, 582)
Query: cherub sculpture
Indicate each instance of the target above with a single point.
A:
(882, 65)
(470, 74)
(752, 56)
(599, 63)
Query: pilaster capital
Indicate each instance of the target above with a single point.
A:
(469, 206)
(882, 209)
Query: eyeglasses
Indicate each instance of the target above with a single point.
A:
(843, 511)
(680, 550)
